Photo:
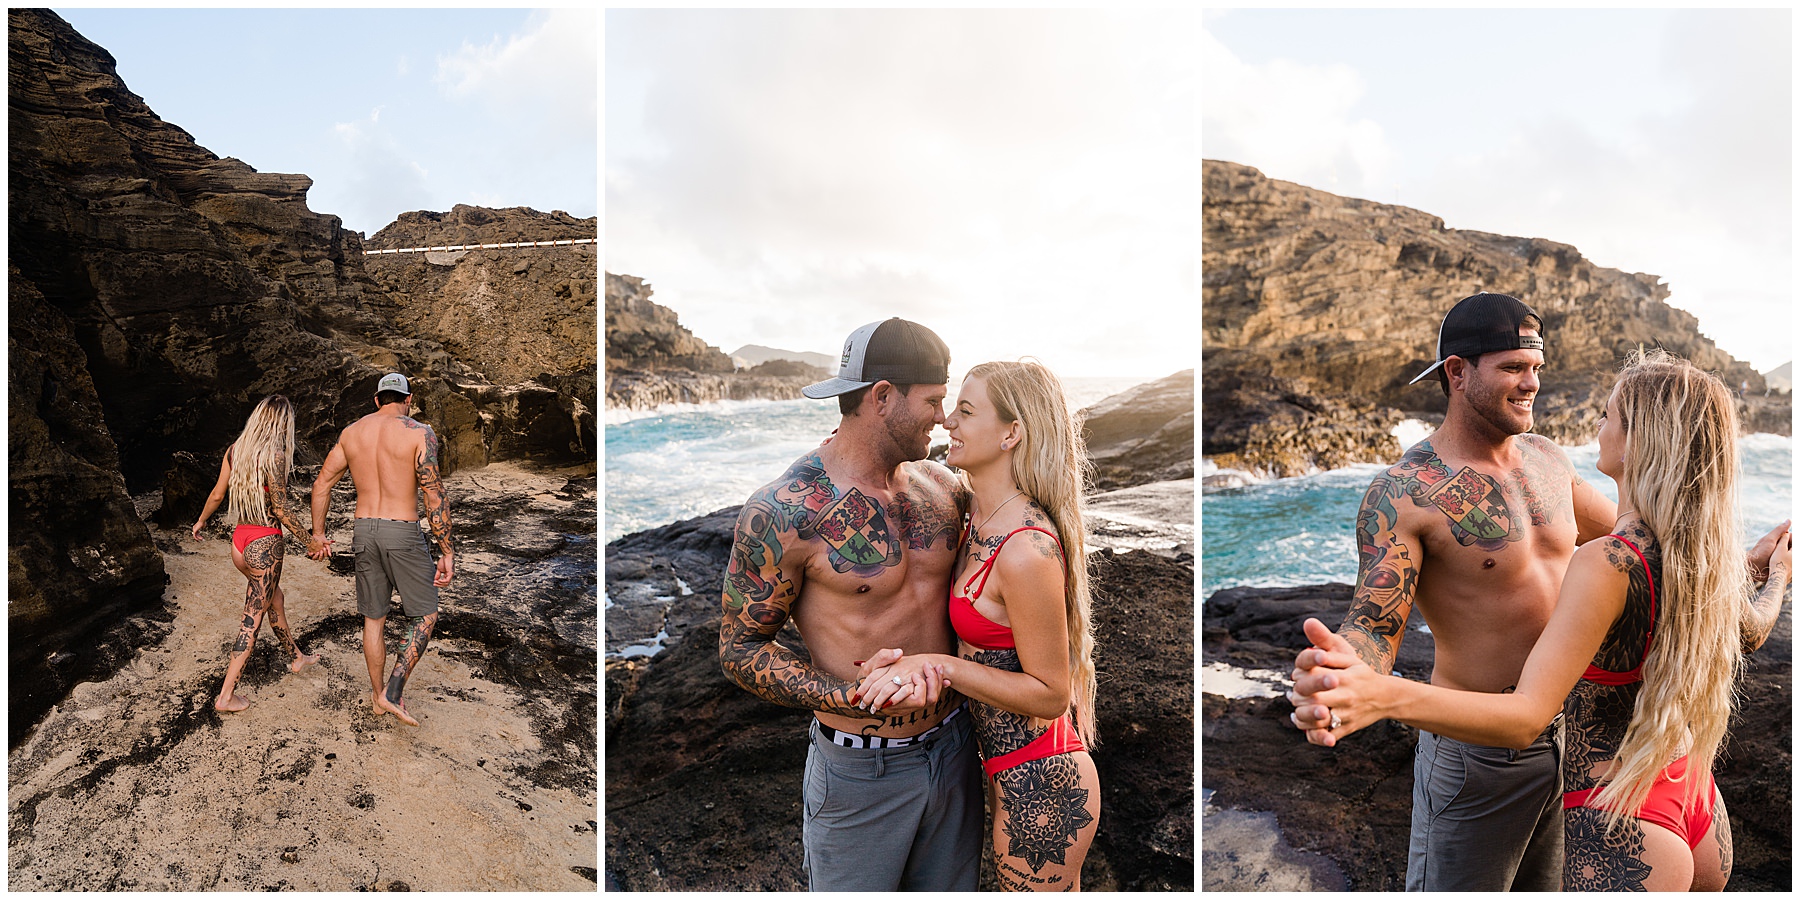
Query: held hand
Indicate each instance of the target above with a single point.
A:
(881, 660)
(446, 567)
(902, 687)
(319, 547)
(919, 693)
(1781, 561)
(1338, 686)
(1766, 546)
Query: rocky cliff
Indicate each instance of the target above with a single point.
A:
(157, 291)
(652, 361)
(1317, 309)
(1142, 435)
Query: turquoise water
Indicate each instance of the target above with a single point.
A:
(1296, 531)
(681, 462)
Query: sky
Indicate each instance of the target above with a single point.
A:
(388, 111)
(1023, 182)
(1654, 141)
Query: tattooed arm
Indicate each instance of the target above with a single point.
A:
(1387, 576)
(1765, 604)
(1593, 597)
(761, 585)
(278, 508)
(437, 506)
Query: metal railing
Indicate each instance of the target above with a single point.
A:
(455, 247)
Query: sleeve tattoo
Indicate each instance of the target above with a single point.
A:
(431, 484)
(278, 508)
(1386, 576)
(757, 600)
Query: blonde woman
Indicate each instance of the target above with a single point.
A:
(1019, 605)
(254, 476)
(1641, 654)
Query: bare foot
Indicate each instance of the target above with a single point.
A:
(383, 706)
(301, 662)
(235, 704)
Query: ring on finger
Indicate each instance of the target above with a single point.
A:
(1336, 722)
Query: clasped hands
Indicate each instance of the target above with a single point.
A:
(1330, 693)
(893, 683)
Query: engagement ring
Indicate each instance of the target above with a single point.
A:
(1336, 722)
(897, 680)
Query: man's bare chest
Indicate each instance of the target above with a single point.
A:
(1490, 519)
(860, 538)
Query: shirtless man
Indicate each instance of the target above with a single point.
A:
(391, 458)
(1498, 513)
(855, 544)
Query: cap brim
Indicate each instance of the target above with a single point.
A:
(1421, 375)
(831, 387)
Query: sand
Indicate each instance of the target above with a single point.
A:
(136, 783)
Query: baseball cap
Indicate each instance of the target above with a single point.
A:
(1485, 323)
(394, 381)
(895, 351)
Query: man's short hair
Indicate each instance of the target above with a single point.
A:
(386, 397)
(1444, 380)
(849, 403)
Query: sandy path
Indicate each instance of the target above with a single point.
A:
(136, 783)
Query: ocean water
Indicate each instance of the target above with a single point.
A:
(683, 461)
(1296, 531)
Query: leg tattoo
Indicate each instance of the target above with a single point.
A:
(417, 638)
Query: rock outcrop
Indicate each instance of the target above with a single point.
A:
(157, 292)
(652, 361)
(1142, 435)
(1317, 309)
(1351, 805)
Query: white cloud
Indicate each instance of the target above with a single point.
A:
(541, 78)
(1291, 120)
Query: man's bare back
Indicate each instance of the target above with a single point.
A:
(382, 451)
(858, 567)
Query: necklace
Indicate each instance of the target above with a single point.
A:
(990, 516)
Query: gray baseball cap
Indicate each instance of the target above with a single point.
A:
(895, 351)
(396, 382)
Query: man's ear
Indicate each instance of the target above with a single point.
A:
(1456, 369)
(882, 394)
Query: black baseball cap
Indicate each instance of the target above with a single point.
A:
(1485, 323)
(895, 351)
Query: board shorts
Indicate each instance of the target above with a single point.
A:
(392, 555)
(894, 818)
(1487, 818)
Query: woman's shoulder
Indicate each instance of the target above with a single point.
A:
(1607, 555)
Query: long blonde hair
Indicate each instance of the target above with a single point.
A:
(1681, 467)
(264, 453)
(1050, 465)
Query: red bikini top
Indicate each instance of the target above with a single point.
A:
(1598, 675)
(968, 622)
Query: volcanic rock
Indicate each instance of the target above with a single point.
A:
(693, 762)
(1142, 435)
(1317, 309)
(157, 292)
(1352, 804)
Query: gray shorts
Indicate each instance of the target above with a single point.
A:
(392, 554)
(905, 818)
(1487, 818)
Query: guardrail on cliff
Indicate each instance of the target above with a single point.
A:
(368, 252)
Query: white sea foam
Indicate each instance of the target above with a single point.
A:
(620, 416)
(1411, 432)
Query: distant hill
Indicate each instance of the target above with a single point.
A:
(1780, 378)
(756, 354)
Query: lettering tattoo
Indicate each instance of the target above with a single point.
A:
(431, 484)
(946, 700)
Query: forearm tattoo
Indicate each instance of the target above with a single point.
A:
(278, 508)
(1765, 607)
(1386, 578)
(431, 484)
(1596, 861)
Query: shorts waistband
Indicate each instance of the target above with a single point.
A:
(860, 742)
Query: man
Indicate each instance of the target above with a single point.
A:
(1498, 513)
(392, 458)
(855, 544)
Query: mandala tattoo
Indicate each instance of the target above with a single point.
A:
(1046, 809)
(1596, 861)
(998, 731)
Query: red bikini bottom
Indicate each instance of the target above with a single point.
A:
(1058, 739)
(1667, 804)
(242, 535)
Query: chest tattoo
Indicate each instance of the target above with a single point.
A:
(858, 534)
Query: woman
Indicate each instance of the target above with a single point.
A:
(257, 486)
(1659, 609)
(1025, 657)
